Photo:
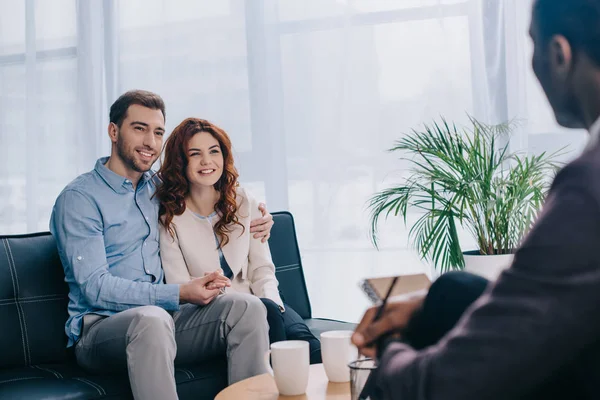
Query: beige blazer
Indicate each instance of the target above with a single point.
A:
(193, 251)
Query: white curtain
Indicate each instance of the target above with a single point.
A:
(312, 93)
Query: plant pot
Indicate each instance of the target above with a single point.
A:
(487, 266)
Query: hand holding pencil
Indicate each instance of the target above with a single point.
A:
(393, 318)
(378, 325)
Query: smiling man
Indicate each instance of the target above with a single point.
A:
(535, 333)
(121, 313)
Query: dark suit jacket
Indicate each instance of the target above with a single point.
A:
(538, 327)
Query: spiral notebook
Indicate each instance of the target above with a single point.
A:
(406, 286)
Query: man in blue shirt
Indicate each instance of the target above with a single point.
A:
(121, 313)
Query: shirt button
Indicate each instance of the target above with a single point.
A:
(147, 271)
(144, 243)
(79, 258)
(146, 218)
(127, 181)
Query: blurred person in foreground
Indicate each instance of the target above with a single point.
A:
(535, 332)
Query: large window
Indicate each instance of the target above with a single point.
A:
(312, 93)
(38, 69)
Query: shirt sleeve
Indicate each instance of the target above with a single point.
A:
(261, 270)
(174, 265)
(76, 225)
(538, 316)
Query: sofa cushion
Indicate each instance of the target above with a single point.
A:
(33, 301)
(288, 263)
(68, 381)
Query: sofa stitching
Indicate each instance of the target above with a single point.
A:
(19, 304)
(26, 334)
(38, 297)
(99, 386)
(94, 384)
(87, 383)
(56, 373)
(5, 243)
(31, 301)
(287, 267)
(188, 373)
(21, 379)
(43, 295)
(182, 370)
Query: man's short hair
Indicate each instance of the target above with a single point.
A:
(118, 111)
(577, 20)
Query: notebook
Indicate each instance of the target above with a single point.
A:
(407, 286)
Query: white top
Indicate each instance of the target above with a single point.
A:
(193, 251)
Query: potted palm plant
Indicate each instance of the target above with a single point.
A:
(466, 178)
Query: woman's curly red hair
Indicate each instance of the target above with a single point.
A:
(175, 186)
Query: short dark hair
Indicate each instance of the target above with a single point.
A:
(118, 111)
(577, 20)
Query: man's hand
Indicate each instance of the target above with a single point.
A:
(212, 284)
(197, 291)
(395, 317)
(261, 227)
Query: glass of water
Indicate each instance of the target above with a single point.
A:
(359, 373)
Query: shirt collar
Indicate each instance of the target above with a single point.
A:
(118, 183)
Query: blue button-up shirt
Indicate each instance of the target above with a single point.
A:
(107, 237)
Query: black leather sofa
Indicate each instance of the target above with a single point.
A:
(34, 362)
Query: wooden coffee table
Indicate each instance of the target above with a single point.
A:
(263, 387)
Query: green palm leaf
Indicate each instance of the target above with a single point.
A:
(462, 177)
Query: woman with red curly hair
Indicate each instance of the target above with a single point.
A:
(205, 225)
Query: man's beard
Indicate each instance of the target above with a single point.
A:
(129, 159)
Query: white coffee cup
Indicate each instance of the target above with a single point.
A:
(290, 359)
(337, 351)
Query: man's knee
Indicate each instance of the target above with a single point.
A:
(456, 282)
(246, 305)
(451, 294)
(151, 333)
(151, 322)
